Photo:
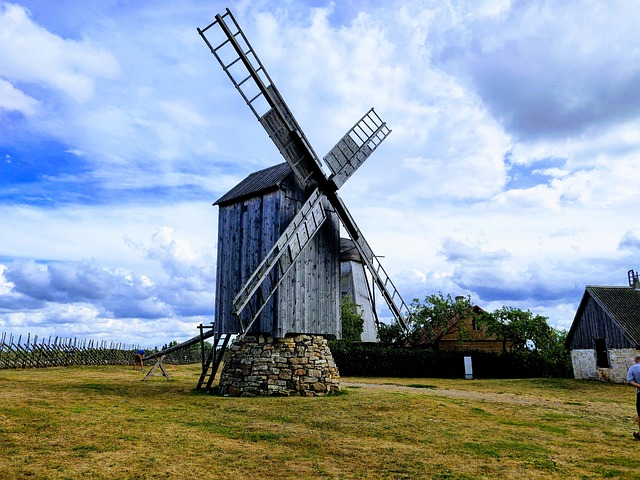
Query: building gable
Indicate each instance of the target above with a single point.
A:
(609, 313)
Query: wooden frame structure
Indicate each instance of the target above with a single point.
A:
(210, 362)
(258, 288)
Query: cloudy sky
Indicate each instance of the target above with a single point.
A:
(511, 173)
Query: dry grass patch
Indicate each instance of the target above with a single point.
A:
(103, 422)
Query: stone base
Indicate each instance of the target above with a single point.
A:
(262, 365)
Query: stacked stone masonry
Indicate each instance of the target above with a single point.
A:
(585, 365)
(299, 365)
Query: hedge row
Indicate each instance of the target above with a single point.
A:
(367, 360)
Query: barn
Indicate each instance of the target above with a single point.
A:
(251, 218)
(605, 334)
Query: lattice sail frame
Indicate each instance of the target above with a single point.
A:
(238, 59)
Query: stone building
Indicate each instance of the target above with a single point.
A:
(605, 334)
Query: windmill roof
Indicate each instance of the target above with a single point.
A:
(348, 251)
(256, 184)
(622, 305)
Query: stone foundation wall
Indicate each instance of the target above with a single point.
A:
(262, 365)
(620, 359)
(584, 364)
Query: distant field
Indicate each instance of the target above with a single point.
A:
(104, 422)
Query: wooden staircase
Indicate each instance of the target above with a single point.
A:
(212, 362)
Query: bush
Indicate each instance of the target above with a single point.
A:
(357, 359)
(352, 319)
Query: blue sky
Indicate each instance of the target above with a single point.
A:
(510, 174)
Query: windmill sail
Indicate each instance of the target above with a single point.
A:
(292, 144)
(355, 147)
(264, 281)
(388, 290)
(245, 70)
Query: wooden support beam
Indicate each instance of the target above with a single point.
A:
(159, 364)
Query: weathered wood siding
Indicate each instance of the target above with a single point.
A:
(246, 232)
(307, 301)
(594, 323)
(308, 298)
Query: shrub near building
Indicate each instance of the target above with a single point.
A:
(529, 346)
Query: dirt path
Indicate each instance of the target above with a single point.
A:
(490, 397)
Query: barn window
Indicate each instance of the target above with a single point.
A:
(602, 359)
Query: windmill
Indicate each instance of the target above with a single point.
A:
(252, 309)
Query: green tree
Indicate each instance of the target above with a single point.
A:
(437, 315)
(428, 321)
(529, 333)
(391, 334)
(521, 328)
(352, 319)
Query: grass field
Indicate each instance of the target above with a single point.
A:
(104, 422)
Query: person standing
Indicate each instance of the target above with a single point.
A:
(633, 379)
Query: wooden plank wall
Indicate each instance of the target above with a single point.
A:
(270, 230)
(595, 323)
(228, 267)
(308, 299)
(246, 232)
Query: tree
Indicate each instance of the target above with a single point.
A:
(352, 319)
(391, 334)
(530, 333)
(428, 321)
(436, 316)
(522, 328)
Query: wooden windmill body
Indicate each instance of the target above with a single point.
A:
(252, 217)
(279, 244)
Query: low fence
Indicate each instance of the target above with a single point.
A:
(65, 352)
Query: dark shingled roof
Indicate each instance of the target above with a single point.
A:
(256, 184)
(622, 304)
(348, 251)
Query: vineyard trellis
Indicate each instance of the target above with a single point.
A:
(65, 352)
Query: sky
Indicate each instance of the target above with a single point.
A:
(510, 175)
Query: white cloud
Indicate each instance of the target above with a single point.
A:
(508, 174)
(83, 296)
(13, 99)
(547, 70)
(31, 54)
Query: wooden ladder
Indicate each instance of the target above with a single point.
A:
(212, 362)
(264, 281)
(238, 59)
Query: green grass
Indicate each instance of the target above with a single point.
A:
(104, 422)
